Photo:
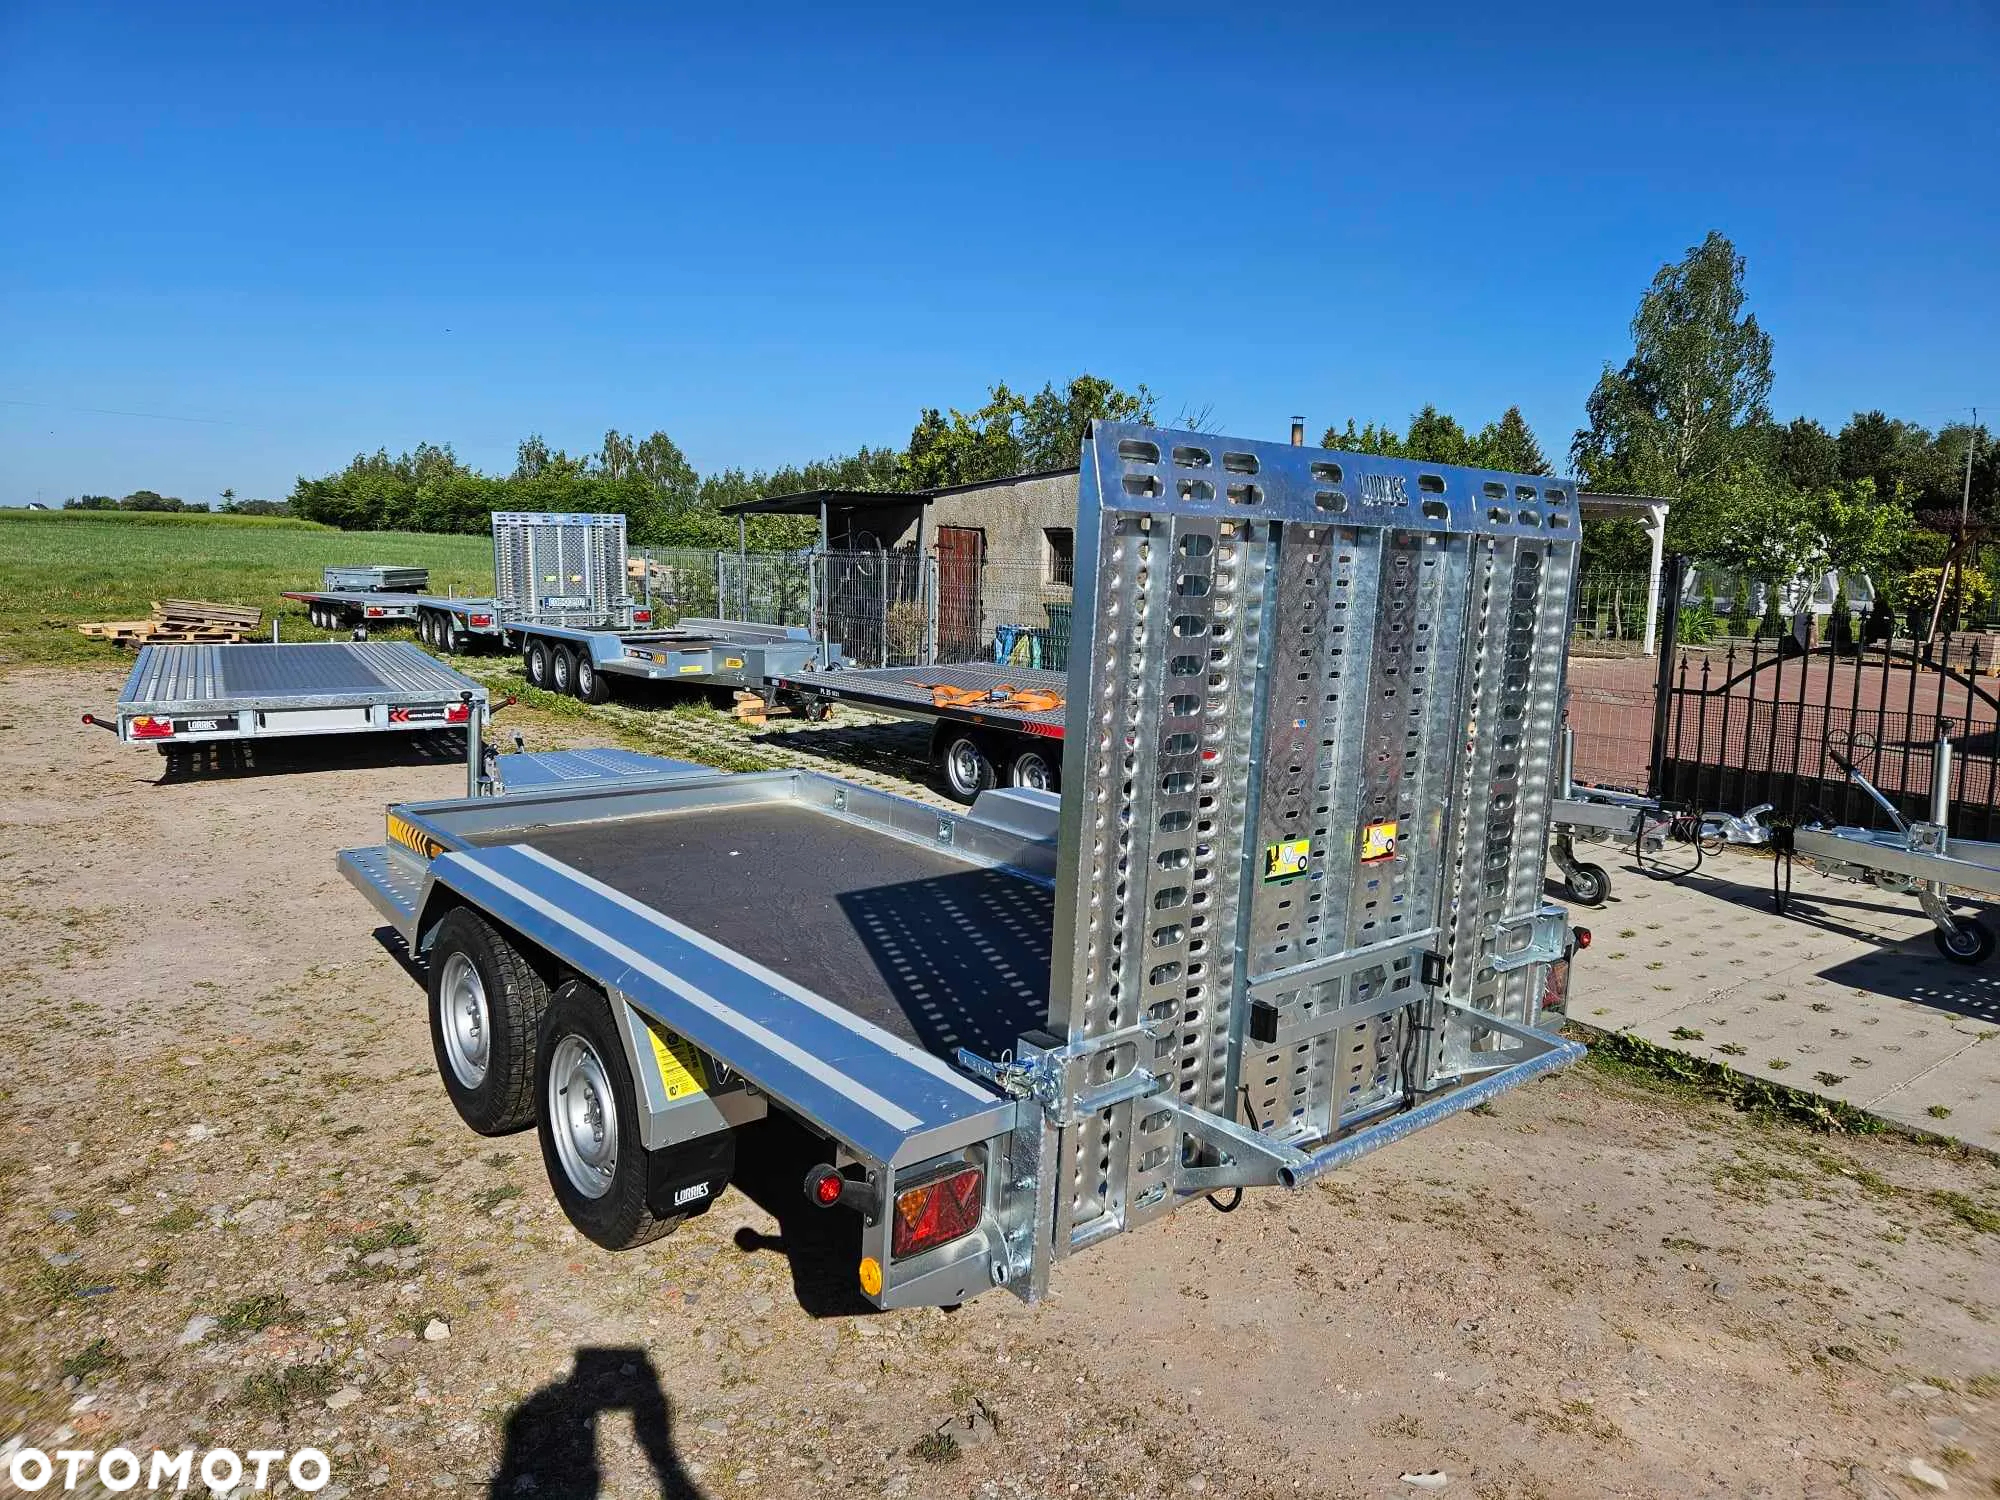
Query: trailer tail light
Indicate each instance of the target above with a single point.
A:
(642, 617)
(480, 622)
(937, 1212)
(458, 713)
(374, 612)
(146, 727)
(824, 1186)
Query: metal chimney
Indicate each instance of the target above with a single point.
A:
(1298, 432)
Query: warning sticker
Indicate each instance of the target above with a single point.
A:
(1378, 841)
(683, 1069)
(1287, 860)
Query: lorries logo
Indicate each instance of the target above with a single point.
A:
(1384, 489)
(691, 1194)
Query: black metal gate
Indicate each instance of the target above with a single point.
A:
(1764, 723)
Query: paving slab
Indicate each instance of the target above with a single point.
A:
(1845, 996)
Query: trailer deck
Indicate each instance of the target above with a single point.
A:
(974, 693)
(336, 609)
(200, 694)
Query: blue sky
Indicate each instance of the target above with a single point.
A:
(777, 231)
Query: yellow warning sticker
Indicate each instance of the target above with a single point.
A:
(693, 666)
(402, 831)
(1286, 860)
(732, 662)
(682, 1067)
(1378, 841)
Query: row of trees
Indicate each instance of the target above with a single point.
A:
(155, 501)
(667, 503)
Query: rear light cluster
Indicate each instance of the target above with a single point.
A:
(458, 713)
(937, 1212)
(480, 622)
(374, 613)
(642, 616)
(146, 727)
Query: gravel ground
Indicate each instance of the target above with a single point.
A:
(238, 1210)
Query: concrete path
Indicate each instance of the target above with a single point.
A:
(1846, 997)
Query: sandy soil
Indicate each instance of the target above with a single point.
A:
(219, 1103)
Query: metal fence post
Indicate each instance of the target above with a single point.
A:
(1670, 585)
(930, 586)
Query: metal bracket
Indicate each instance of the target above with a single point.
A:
(1549, 942)
(1044, 1077)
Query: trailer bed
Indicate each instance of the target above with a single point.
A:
(194, 693)
(939, 952)
(910, 692)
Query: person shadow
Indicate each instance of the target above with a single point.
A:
(551, 1440)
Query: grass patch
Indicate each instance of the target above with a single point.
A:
(255, 1314)
(493, 1197)
(395, 1235)
(51, 1286)
(177, 1221)
(1634, 1060)
(278, 1393)
(935, 1448)
(61, 568)
(92, 1357)
(1969, 1212)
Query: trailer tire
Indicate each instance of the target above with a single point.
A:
(1588, 885)
(1973, 945)
(535, 661)
(486, 1006)
(964, 766)
(317, 616)
(1032, 770)
(587, 1121)
(451, 637)
(562, 671)
(590, 684)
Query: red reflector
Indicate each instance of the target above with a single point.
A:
(482, 621)
(146, 727)
(1582, 935)
(1555, 989)
(937, 1212)
(641, 616)
(458, 713)
(826, 1191)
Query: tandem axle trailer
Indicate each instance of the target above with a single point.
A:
(1286, 911)
(182, 697)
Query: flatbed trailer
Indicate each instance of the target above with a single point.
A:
(343, 609)
(183, 696)
(1287, 911)
(584, 663)
(993, 724)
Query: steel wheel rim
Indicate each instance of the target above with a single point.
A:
(465, 1020)
(1962, 940)
(963, 764)
(583, 1116)
(538, 664)
(560, 666)
(1032, 772)
(586, 676)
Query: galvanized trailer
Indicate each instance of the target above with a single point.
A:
(1287, 910)
(993, 724)
(180, 697)
(695, 653)
(380, 578)
(343, 609)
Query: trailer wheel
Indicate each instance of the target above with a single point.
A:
(588, 1124)
(1972, 943)
(1033, 770)
(965, 766)
(1588, 885)
(535, 662)
(562, 670)
(451, 637)
(486, 1007)
(317, 615)
(590, 684)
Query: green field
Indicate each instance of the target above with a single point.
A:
(61, 568)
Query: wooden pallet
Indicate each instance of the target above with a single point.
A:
(180, 622)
